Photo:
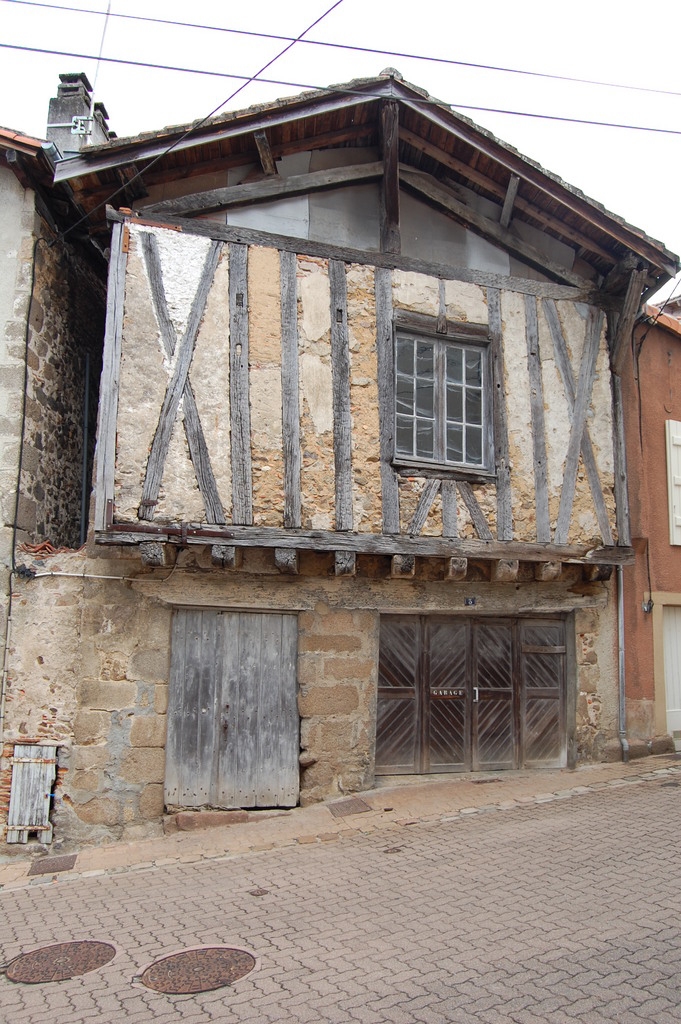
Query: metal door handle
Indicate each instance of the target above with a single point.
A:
(476, 694)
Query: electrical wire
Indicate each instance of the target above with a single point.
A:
(354, 49)
(331, 89)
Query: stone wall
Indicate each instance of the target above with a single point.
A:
(89, 668)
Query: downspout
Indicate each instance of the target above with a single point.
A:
(621, 669)
(86, 441)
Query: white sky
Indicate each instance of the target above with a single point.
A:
(633, 173)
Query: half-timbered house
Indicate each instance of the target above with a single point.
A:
(360, 480)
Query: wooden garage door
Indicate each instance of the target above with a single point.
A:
(470, 694)
(233, 727)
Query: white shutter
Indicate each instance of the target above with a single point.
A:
(673, 433)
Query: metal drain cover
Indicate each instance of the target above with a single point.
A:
(59, 961)
(198, 970)
(349, 805)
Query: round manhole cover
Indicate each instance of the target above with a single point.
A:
(198, 970)
(60, 961)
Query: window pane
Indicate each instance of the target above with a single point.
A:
(474, 445)
(424, 397)
(425, 439)
(405, 356)
(405, 395)
(454, 364)
(424, 360)
(454, 443)
(454, 403)
(405, 436)
(474, 367)
(473, 406)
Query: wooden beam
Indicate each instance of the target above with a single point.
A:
(443, 198)
(430, 491)
(502, 460)
(565, 369)
(286, 561)
(176, 388)
(366, 543)
(477, 517)
(505, 570)
(196, 442)
(457, 569)
(340, 380)
(239, 406)
(226, 556)
(105, 457)
(620, 469)
(497, 189)
(541, 487)
(390, 500)
(509, 200)
(627, 318)
(587, 373)
(388, 261)
(450, 526)
(345, 563)
(264, 191)
(156, 555)
(290, 389)
(547, 572)
(264, 152)
(390, 184)
(402, 566)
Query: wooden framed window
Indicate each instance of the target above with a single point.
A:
(442, 402)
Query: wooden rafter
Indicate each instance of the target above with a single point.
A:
(429, 188)
(509, 200)
(265, 152)
(265, 190)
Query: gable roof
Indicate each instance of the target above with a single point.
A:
(433, 140)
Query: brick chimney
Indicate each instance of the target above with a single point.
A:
(71, 123)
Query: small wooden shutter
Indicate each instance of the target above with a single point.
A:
(34, 769)
(673, 433)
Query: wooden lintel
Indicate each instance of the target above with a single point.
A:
(390, 191)
(226, 556)
(509, 200)
(286, 561)
(366, 543)
(402, 566)
(265, 152)
(547, 572)
(345, 563)
(505, 570)
(265, 190)
(443, 198)
(456, 569)
(157, 555)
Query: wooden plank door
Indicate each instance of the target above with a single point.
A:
(543, 726)
(233, 727)
(398, 725)
(671, 629)
(448, 695)
(494, 740)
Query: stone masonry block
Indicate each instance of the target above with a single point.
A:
(328, 700)
(99, 811)
(160, 699)
(144, 764)
(91, 727)
(349, 668)
(151, 803)
(107, 696)
(88, 780)
(150, 664)
(85, 758)
(336, 642)
(148, 731)
(336, 737)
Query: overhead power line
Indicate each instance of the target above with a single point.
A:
(351, 92)
(346, 46)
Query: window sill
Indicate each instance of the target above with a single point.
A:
(430, 469)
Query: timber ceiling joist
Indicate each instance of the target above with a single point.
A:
(436, 150)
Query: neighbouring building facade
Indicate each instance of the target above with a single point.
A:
(360, 494)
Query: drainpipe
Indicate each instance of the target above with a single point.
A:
(86, 441)
(621, 672)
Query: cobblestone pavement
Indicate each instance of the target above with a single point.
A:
(563, 908)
